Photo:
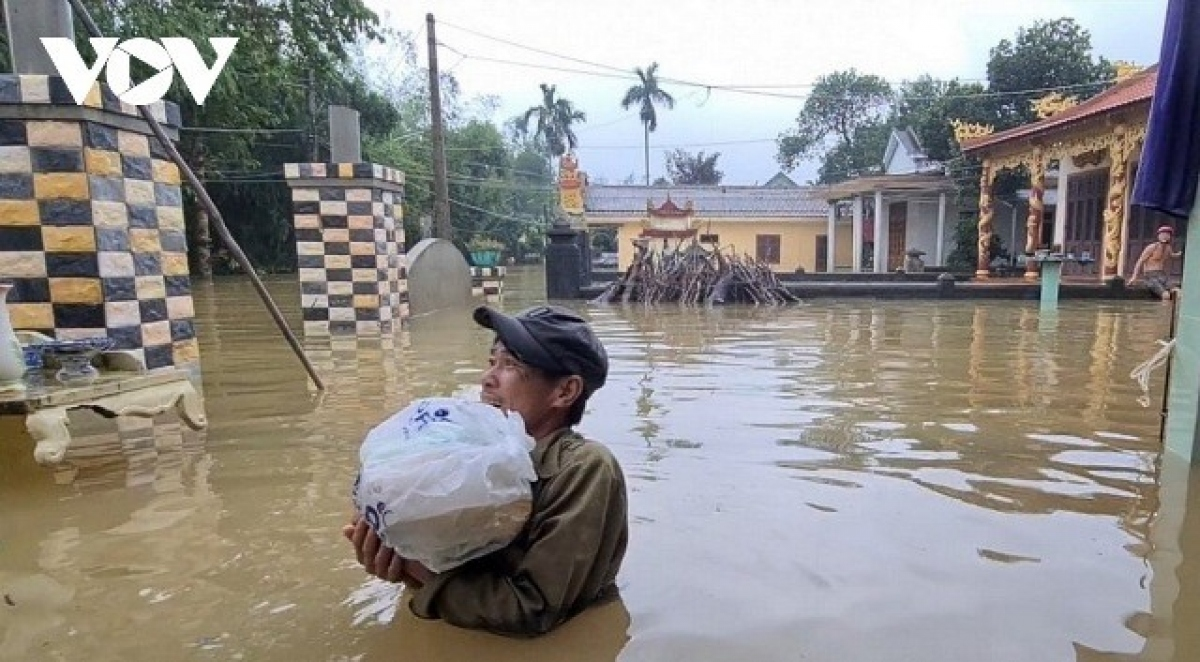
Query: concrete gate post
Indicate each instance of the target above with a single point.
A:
(349, 246)
(91, 215)
(348, 216)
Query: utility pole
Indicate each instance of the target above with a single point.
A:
(314, 152)
(441, 190)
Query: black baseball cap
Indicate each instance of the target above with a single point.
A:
(551, 338)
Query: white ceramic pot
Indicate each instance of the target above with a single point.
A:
(12, 358)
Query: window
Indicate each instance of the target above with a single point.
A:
(710, 239)
(767, 248)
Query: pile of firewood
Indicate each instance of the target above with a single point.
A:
(692, 274)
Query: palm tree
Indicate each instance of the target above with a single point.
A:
(646, 94)
(556, 118)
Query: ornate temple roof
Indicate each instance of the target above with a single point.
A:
(1136, 89)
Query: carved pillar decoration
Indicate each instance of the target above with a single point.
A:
(985, 218)
(978, 356)
(1119, 152)
(1033, 223)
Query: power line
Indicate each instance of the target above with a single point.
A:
(779, 95)
(505, 217)
(757, 90)
(623, 76)
(626, 72)
(623, 118)
(536, 50)
(220, 129)
(747, 141)
(531, 65)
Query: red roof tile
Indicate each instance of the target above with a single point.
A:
(1135, 89)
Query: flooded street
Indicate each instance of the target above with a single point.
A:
(848, 481)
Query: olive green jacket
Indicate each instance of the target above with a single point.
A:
(565, 560)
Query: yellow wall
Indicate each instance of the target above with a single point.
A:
(797, 239)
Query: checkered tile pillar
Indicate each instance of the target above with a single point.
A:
(91, 221)
(488, 282)
(349, 246)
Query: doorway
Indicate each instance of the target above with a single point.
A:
(1085, 220)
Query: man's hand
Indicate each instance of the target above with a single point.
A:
(380, 560)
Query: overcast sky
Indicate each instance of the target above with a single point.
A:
(722, 43)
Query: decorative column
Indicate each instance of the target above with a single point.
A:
(91, 221)
(881, 242)
(1033, 223)
(349, 246)
(1119, 152)
(856, 241)
(982, 266)
(940, 251)
(831, 242)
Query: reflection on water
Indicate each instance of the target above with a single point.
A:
(834, 481)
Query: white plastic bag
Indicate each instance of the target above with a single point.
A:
(446, 480)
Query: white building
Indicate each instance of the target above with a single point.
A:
(909, 206)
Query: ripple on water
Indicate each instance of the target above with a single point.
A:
(856, 476)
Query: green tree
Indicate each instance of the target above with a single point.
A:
(500, 180)
(478, 157)
(604, 240)
(5, 56)
(532, 193)
(645, 95)
(686, 168)
(1045, 56)
(929, 105)
(862, 155)
(843, 111)
(554, 133)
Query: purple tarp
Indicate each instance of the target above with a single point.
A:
(1170, 162)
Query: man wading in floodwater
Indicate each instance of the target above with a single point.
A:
(545, 364)
(1154, 264)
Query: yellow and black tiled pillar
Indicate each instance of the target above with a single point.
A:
(349, 246)
(91, 221)
(488, 282)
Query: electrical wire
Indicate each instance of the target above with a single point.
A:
(611, 71)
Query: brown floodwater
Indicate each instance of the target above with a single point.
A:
(849, 481)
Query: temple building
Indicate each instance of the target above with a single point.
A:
(1082, 158)
(781, 224)
(901, 209)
